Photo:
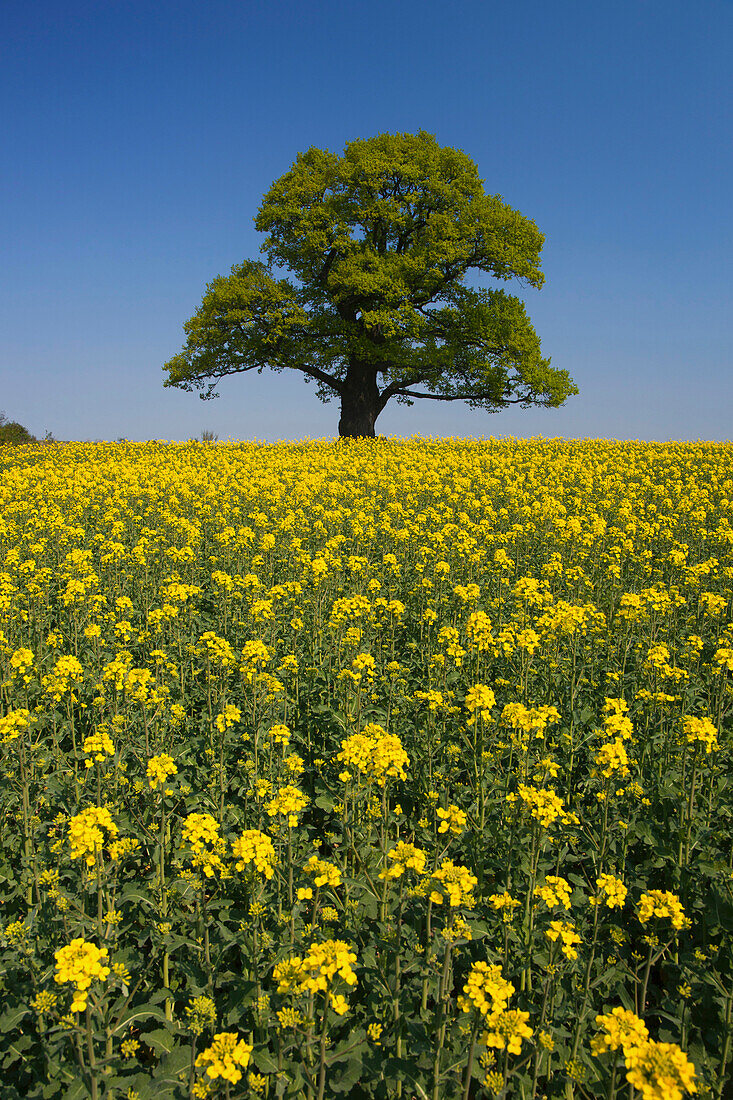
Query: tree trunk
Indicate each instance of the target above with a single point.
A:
(359, 402)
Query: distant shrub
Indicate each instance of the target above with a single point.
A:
(13, 432)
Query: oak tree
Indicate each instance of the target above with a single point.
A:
(378, 243)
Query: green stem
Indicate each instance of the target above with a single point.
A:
(92, 1060)
(192, 1068)
(726, 1047)
(441, 1015)
(586, 984)
(469, 1062)
(322, 1052)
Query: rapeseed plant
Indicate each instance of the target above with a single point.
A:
(389, 767)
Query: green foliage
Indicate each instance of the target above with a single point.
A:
(13, 432)
(379, 242)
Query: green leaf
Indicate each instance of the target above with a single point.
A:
(174, 1065)
(76, 1091)
(264, 1061)
(161, 1041)
(146, 1012)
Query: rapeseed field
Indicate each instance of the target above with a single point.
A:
(372, 769)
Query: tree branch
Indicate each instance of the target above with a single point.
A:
(327, 265)
(393, 389)
(224, 372)
(327, 379)
(454, 397)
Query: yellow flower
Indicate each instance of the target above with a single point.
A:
(486, 990)
(80, 963)
(44, 1002)
(505, 904)
(289, 1017)
(99, 746)
(701, 731)
(620, 1029)
(324, 873)
(661, 1071)
(453, 818)
(455, 882)
(256, 848)
(217, 650)
(555, 891)
(160, 768)
(544, 804)
(225, 1056)
(201, 832)
(228, 717)
(317, 971)
(612, 759)
(288, 802)
(404, 857)
(86, 833)
(338, 1003)
(662, 904)
(21, 662)
(374, 1031)
(279, 735)
(13, 724)
(200, 1014)
(478, 629)
(565, 930)
(507, 1029)
(614, 890)
(480, 698)
(375, 754)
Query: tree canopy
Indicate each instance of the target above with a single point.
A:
(13, 432)
(378, 243)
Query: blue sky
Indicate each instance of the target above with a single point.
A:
(140, 137)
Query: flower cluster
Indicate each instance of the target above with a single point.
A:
(81, 963)
(316, 971)
(661, 1071)
(201, 833)
(554, 891)
(87, 833)
(255, 848)
(98, 747)
(289, 802)
(486, 990)
(12, 724)
(453, 819)
(160, 769)
(565, 931)
(228, 717)
(404, 857)
(545, 805)
(701, 731)
(374, 754)
(479, 701)
(227, 1056)
(612, 892)
(662, 904)
(612, 760)
(324, 873)
(453, 882)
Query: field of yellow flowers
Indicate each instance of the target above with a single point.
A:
(382, 769)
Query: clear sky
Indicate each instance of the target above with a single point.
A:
(139, 138)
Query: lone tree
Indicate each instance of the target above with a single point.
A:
(379, 242)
